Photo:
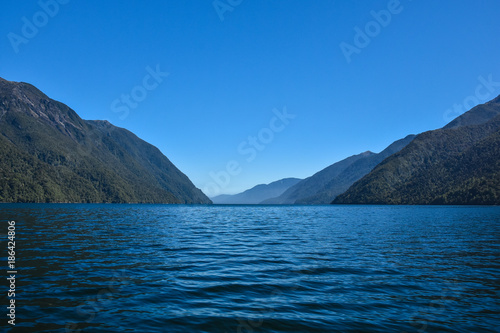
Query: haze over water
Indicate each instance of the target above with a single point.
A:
(161, 268)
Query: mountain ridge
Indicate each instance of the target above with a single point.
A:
(258, 193)
(49, 154)
(457, 164)
(354, 172)
(309, 186)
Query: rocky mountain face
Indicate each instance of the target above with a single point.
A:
(49, 154)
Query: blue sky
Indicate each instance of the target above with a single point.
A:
(233, 66)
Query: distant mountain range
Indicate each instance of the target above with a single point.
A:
(258, 193)
(456, 165)
(324, 186)
(311, 185)
(49, 154)
(353, 173)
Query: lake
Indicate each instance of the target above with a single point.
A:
(168, 268)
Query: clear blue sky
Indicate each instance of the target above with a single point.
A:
(227, 76)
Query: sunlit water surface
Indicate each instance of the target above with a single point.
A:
(164, 268)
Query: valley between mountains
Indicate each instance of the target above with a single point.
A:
(49, 154)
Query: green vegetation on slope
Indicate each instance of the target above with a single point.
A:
(459, 164)
(352, 173)
(49, 154)
(311, 185)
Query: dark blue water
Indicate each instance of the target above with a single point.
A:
(159, 268)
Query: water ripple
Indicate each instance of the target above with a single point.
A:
(163, 268)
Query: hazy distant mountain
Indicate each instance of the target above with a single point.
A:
(311, 185)
(352, 173)
(49, 154)
(258, 193)
(458, 164)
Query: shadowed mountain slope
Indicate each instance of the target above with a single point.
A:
(310, 186)
(354, 172)
(49, 154)
(258, 193)
(458, 164)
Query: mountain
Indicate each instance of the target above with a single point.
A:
(325, 185)
(310, 186)
(477, 115)
(458, 164)
(49, 154)
(353, 173)
(258, 193)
